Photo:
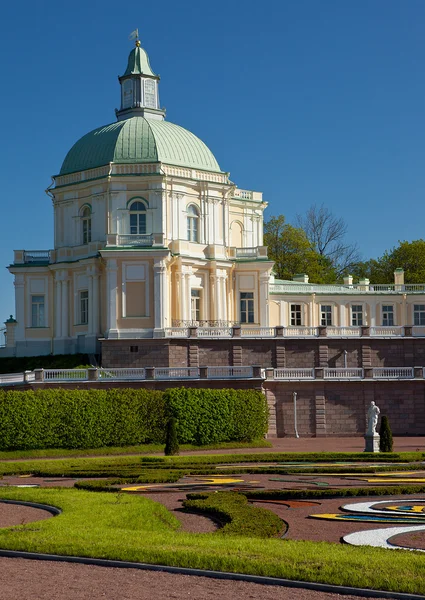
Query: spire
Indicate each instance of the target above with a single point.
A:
(139, 87)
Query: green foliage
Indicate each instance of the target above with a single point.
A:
(210, 416)
(59, 418)
(292, 252)
(171, 440)
(29, 363)
(409, 256)
(238, 517)
(386, 436)
(382, 490)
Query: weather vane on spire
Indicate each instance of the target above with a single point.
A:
(134, 35)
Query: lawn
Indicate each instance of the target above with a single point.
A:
(133, 528)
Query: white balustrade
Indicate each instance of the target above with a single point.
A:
(418, 331)
(65, 374)
(288, 373)
(122, 374)
(214, 332)
(393, 373)
(135, 240)
(332, 331)
(11, 378)
(229, 372)
(343, 373)
(300, 331)
(176, 373)
(257, 331)
(177, 332)
(384, 331)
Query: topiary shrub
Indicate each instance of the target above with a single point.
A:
(386, 436)
(171, 440)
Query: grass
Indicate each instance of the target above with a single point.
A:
(133, 528)
(113, 451)
(237, 516)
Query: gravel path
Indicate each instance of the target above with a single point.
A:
(22, 579)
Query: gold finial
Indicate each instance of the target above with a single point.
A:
(138, 43)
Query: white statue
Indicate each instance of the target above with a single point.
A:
(372, 418)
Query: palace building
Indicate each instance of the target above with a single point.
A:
(159, 266)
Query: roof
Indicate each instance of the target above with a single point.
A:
(138, 63)
(139, 140)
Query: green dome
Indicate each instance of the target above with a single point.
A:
(139, 140)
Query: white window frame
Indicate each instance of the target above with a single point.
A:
(293, 312)
(40, 319)
(326, 315)
(419, 315)
(86, 217)
(196, 305)
(139, 210)
(248, 304)
(354, 321)
(83, 307)
(192, 223)
(385, 311)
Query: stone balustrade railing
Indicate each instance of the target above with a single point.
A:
(300, 331)
(212, 372)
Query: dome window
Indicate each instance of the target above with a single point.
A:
(192, 223)
(137, 218)
(86, 224)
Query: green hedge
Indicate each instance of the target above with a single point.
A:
(210, 416)
(236, 515)
(58, 418)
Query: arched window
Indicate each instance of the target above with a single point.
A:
(86, 224)
(192, 223)
(137, 218)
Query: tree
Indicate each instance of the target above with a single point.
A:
(171, 440)
(289, 247)
(409, 256)
(386, 436)
(325, 233)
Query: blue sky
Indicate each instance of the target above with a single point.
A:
(309, 101)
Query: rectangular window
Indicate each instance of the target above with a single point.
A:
(419, 314)
(195, 305)
(296, 314)
(84, 307)
(247, 307)
(326, 315)
(356, 315)
(37, 311)
(86, 231)
(387, 315)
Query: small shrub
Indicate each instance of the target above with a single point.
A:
(171, 441)
(386, 436)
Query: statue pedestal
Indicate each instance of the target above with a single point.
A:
(372, 442)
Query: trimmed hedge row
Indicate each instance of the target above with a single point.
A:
(14, 364)
(390, 490)
(211, 416)
(237, 516)
(60, 418)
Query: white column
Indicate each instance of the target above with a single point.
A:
(65, 308)
(58, 305)
(177, 296)
(342, 315)
(95, 305)
(224, 296)
(264, 300)
(90, 307)
(217, 296)
(188, 297)
(183, 296)
(111, 297)
(160, 287)
(19, 284)
(372, 321)
(213, 297)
